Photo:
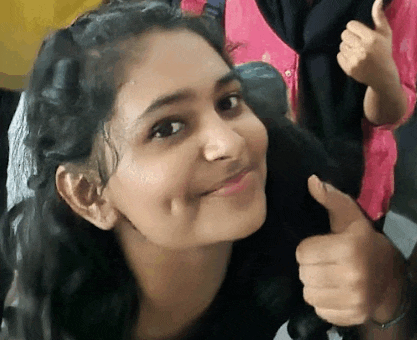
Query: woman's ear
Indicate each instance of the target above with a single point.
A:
(86, 198)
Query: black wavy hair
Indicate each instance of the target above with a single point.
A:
(74, 283)
(73, 278)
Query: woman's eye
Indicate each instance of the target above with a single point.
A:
(166, 129)
(229, 103)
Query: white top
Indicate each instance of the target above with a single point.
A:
(20, 161)
(282, 334)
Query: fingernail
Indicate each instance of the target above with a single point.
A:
(319, 183)
(381, 5)
(329, 187)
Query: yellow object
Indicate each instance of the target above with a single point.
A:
(23, 26)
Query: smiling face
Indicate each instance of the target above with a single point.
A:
(192, 165)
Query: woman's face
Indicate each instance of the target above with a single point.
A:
(192, 165)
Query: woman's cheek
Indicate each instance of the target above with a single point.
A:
(258, 137)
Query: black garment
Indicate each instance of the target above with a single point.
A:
(331, 103)
(262, 290)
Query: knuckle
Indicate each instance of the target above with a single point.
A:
(323, 314)
(348, 68)
(372, 39)
(353, 247)
(302, 275)
(363, 53)
(349, 249)
(355, 63)
(350, 24)
(308, 296)
(299, 253)
(360, 318)
(372, 42)
(360, 57)
(358, 300)
(356, 279)
(349, 319)
(331, 317)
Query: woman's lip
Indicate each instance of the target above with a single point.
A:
(234, 185)
(235, 179)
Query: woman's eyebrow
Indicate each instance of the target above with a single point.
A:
(166, 100)
(227, 79)
(185, 94)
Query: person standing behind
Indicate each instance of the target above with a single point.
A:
(350, 84)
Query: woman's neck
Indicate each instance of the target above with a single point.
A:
(176, 286)
(168, 276)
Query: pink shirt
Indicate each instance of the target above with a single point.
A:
(244, 24)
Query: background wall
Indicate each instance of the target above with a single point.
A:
(23, 25)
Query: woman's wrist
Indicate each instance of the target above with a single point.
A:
(386, 105)
(396, 300)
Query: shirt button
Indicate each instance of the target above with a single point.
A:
(288, 73)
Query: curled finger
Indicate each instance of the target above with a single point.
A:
(345, 49)
(351, 39)
(320, 276)
(336, 299)
(342, 318)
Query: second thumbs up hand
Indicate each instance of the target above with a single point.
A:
(350, 275)
(366, 54)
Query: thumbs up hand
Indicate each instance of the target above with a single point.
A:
(366, 54)
(349, 275)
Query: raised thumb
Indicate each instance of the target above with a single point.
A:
(380, 20)
(342, 209)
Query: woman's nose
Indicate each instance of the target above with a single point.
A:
(222, 142)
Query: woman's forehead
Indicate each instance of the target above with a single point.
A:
(174, 59)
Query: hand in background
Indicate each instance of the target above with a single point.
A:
(366, 54)
(349, 276)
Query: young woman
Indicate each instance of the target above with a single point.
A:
(164, 208)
